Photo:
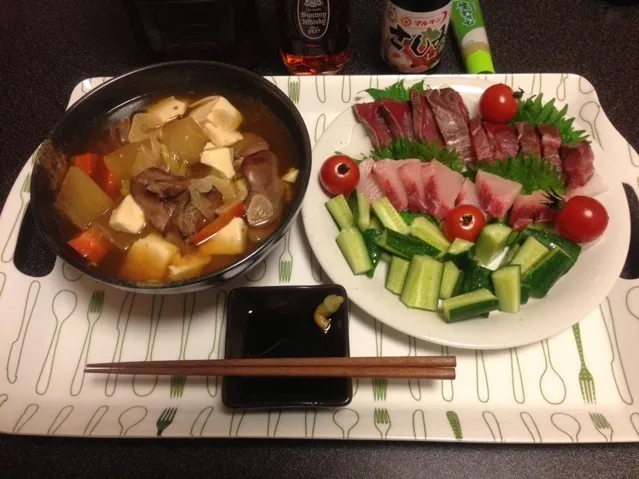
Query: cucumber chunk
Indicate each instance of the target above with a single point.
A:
(529, 253)
(423, 280)
(507, 284)
(341, 212)
(374, 251)
(547, 272)
(469, 305)
(389, 216)
(405, 246)
(450, 277)
(508, 257)
(430, 233)
(351, 243)
(361, 210)
(459, 246)
(491, 241)
(397, 274)
(550, 240)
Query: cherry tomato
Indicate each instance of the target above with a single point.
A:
(464, 222)
(582, 219)
(498, 104)
(339, 175)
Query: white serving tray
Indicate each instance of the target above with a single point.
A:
(538, 393)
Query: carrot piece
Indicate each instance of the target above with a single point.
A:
(110, 184)
(217, 224)
(87, 162)
(91, 245)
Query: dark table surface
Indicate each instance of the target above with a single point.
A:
(46, 48)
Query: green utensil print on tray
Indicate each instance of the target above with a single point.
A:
(70, 273)
(602, 425)
(414, 385)
(551, 384)
(382, 422)
(586, 381)
(346, 419)
(310, 418)
(632, 301)
(197, 429)
(165, 420)
(3, 399)
(94, 311)
(60, 419)
(15, 351)
(616, 363)
(236, 422)
(219, 320)
(566, 424)
(320, 88)
(294, 89)
(10, 246)
(3, 279)
(493, 426)
(634, 420)
(25, 417)
(121, 327)
(145, 385)
(560, 94)
(585, 87)
(455, 425)
(589, 112)
(481, 377)
(273, 420)
(320, 125)
(448, 388)
(531, 426)
(519, 394)
(286, 260)
(62, 306)
(419, 424)
(380, 385)
(179, 382)
(131, 417)
(95, 420)
(346, 88)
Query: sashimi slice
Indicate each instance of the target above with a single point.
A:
(424, 124)
(496, 194)
(468, 194)
(550, 144)
(503, 140)
(442, 185)
(385, 172)
(528, 139)
(370, 118)
(411, 177)
(367, 184)
(529, 208)
(480, 142)
(398, 117)
(578, 164)
(594, 187)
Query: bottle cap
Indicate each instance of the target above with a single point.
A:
(480, 62)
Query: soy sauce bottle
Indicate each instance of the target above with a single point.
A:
(413, 33)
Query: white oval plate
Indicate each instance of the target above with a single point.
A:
(574, 296)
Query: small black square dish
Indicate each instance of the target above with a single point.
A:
(277, 322)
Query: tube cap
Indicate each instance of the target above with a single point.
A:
(480, 62)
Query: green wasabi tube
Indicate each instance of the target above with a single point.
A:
(468, 24)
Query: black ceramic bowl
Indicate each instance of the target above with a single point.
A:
(77, 124)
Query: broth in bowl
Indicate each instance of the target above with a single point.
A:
(168, 189)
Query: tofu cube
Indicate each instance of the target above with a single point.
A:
(224, 115)
(128, 217)
(232, 239)
(188, 266)
(168, 109)
(148, 259)
(221, 137)
(220, 159)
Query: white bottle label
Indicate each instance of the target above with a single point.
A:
(313, 17)
(412, 42)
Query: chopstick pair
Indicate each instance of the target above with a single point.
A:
(412, 367)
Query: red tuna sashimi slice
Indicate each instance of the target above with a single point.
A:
(410, 174)
(398, 117)
(367, 184)
(468, 194)
(480, 142)
(441, 187)
(528, 139)
(496, 194)
(371, 119)
(529, 208)
(385, 172)
(451, 121)
(594, 187)
(550, 144)
(424, 124)
(503, 140)
(578, 164)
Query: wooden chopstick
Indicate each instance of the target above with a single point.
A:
(402, 361)
(435, 367)
(288, 371)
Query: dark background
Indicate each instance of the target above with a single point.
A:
(47, 47)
